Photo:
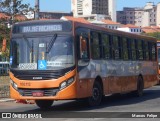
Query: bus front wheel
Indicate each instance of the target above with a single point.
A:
(97, 94)
(44, 104)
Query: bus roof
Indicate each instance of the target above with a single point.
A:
(78, 24)
(117, 32)
(39, 21)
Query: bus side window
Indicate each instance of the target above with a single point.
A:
(83, 48)
(153, 51)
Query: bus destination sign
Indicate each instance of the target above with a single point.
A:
(41, 28)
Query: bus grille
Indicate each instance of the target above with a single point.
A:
(40, 75)
(46, 92)
(43, 75)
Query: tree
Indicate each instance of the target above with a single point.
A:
(13, 7)
(4, 33)
(155, 34)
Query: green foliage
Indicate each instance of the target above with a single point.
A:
(155, 34)
(13, 7)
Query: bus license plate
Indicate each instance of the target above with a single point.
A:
(37, 94)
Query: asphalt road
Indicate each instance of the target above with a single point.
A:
(121, 107)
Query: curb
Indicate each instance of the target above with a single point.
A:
(6, 100)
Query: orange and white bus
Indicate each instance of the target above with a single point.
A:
(60, 60)
(158, 50)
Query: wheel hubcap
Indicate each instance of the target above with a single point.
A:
(95, 94)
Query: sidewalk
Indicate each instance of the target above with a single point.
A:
(6, 100)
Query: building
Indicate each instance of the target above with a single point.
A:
(111, 24)
(94, 8)
(29, 15)
(47, 15)
(131, 29)
(53, 15)
(112, 10)
(149, 15)
(4, 16)
(151, 29)
(130, 16)
(158, 15)
(70, 18)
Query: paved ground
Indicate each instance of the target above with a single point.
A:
(117, 106)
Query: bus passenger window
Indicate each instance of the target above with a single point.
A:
(153, 51)
(83, 48)
(95, 45)
(125, 49)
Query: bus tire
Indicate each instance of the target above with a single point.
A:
(44, 104)
(97, 94)
(140, 87)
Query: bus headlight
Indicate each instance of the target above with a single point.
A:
(14, 85)
(66, 83)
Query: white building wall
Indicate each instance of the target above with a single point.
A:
(149, 15)
(74, 7)
(158, 15)
(87, 7)
(131, 30)
(149, 5)
(124, 29)
(84, 8)
(30, 15)
(146, 19)
(112, 9)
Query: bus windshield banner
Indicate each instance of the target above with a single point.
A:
(35, 27)
(41, 28)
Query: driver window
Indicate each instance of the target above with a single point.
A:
(83, 48)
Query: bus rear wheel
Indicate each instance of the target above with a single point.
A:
(97, 94)
(44, 104)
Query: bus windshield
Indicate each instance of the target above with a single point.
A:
(42, 53)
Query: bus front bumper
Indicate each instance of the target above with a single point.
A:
(44, 94)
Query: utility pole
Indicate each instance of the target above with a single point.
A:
(36, 16)
(14, 10)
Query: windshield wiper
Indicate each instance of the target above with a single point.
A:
(51, 43)
(27, 41)
(30, 47)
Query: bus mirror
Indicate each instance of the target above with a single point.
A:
(83, 46)
(83, 62)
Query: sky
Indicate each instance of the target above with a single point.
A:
(65, 5)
